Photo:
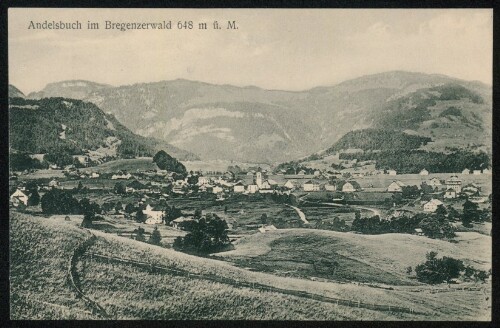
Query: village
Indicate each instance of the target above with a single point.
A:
(241, 198)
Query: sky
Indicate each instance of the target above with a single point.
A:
(286, 49)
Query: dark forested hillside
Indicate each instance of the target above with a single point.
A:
(373, 139)
(59, 125)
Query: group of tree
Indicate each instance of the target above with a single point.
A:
(413, 161)
(438, 270)
(432, 225)
(166, 162)
(154, 239)
(208, 234)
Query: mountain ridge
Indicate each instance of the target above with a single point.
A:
(258, 125)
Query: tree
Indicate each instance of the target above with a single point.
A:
(130, 208)
(263, 218)
(208, 234)
(166, 162)
(118, 207)
(435, 271)
(119, 188)
(470, 213)
(357, 214)
(140, 216)
(34, 198)
(58, 201)
(155, 237)
(86, 207)
(87, 220)
(139, 234)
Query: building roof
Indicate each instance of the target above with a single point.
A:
(434, 201)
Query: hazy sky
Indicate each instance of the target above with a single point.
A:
(290, 49)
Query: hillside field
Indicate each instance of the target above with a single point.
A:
(41, 249)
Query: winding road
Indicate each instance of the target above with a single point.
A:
(300, 213)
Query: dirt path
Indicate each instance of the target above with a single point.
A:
(300, 213)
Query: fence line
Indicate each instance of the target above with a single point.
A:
(157, 268)
(73, 280)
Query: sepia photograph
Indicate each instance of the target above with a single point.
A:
(250, 164)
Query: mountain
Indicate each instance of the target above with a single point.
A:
(75, 127)
(250, 124)
(15, 92)
(74, 89)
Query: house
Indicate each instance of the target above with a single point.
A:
(471, 189)
(94, 175)
(454, 183)
(432, 205)
(476, 172)
(396, 186)
(391, 172)
(265, 185)
(477, 199)
(154, 215)
(181, 221)
(317, 173)
(450, 194)
(252, 189)
(434, 182)
(348, 186)
(239, 187)
(330, 187)
(424, 172)
(267, 228)
(19, 197)
(217, 189)
(178, 189)
(203, 181)
(486, 171)
(121, 176)
(54, 184)
(291, 184)
(301, 172)
(310, 185)
(466, 171)
(419, 232)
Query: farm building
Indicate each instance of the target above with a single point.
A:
(330, 187)
(432, 205)
(466, 171)
(392, 172)
(54, 183)
(121, 176)
(396, 186)
(476, 172)
(486, 171)
(348, 186)
(19, 197)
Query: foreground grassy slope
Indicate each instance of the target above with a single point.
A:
(41, 248)
(39, 253)
(129, 292)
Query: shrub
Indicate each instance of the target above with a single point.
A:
(436, 271)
